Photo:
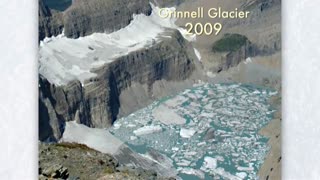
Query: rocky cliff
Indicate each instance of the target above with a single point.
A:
(86, 17)
(230, 50)
(166, 3)
(50, 21)
(263, 26)
(98, 102)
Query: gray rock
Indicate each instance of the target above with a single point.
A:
(209, 134)
(55, 171)
(166, 3)
(233, 58)
(50, 21)
(98, 104)
(76, 161)
(86, 17)
(263, 14)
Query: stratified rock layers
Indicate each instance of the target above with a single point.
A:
(97, 103)
(86, 17)
(50, 22)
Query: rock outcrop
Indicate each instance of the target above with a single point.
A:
(98, 102)
(209, 135)
(166, 3)
(227, 58)
(86, 17)
(77, 161)
(234, 58)
(50, 22)
(269, 12)
(263, 26)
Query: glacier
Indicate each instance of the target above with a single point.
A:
(63, 59)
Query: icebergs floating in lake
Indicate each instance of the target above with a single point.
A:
(170, 117)
(207, 130)
(147, 130)
(210, 163)
(187, 133)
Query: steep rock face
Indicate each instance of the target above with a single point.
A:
(98, 103)
(58, 105)
(270, 40)
(86, 17)
(233, 58)
(168, 60)
(50, 22)
(166, 3)
(263, 25)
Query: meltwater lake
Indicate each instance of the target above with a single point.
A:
(210, 130)
(59, 5)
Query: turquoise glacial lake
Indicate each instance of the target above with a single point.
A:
(59, 5)
(210, 130)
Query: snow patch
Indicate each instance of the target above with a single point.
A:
(187, 36)
(98, 139)
(248, 60)
(197, 54)
(210, 74)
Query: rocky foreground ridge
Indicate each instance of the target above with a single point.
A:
(77, 161)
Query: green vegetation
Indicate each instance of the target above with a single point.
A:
(109, 170)
(229, 42)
